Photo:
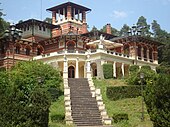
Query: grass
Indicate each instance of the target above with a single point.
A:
(131, 106)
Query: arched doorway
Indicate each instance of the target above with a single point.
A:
(71, 72)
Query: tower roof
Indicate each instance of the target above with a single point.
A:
(64, 5)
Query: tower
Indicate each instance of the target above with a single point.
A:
(71, 17)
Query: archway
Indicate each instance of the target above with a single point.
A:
(71, 72)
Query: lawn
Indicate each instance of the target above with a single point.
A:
(131, 106)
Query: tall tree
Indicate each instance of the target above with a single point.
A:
(163, 37)
(144, 25)
(124, 30)
(3, 24)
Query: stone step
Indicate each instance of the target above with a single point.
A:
(84, 107)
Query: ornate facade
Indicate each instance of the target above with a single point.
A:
(66, 44)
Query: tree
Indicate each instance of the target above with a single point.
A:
(48, 20)
(94, 29)
(124, 30)
(113, 30)
(163, 37)
(145, 27)
(3, 24)
(157, 94)
(25, 99)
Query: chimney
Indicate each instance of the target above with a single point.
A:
(84, 28)
(108, 28)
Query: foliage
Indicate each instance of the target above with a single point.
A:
(120, 92)
(134, 77)
(24, 100)
(157, 94)
(119, 117)
(133, 68)
(144, 25)
(114, 31)
(131, 106)
(108, 70)
(57, 117)
(145, 67)
(163, 69)
(124, 30)
(48, 20)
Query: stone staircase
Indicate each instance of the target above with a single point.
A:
(84, 107)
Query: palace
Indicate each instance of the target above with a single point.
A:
(79, 55)
(66, 44)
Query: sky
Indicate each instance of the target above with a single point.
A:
(115, 12)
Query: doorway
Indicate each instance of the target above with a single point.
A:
(71, 72)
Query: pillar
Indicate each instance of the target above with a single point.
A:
(64, 14)
(74, 12)
(142, 55)
(114, 69)
(84, 28)
(68, 12)
(84, 17)
(77, 68)
(88, 68)
(148, 55)
(78, 14)
(53, 17)
(65, 68)
(59, 16)
(100, 69)
(123, 70)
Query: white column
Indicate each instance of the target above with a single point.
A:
(114, 69)
(148, 55)
(58, 15)
(65, 68)
(64, 17)
(123, 70)
(78, 14)
(74, 11)
(88, 68)
(77, 68)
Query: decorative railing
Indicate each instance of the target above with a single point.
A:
(94, 51)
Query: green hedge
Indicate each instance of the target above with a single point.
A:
(108, 70)
(57, 118)
(119, 117)
(146, 67)
(120, 92)
(163, 70)
(133, 68)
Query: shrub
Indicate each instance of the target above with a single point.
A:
(146, 67)
(119, 117)
(133, 68)
(120, 92)
(57, 118)
(134, 77)
(108, 70)
(163, 70)
(157, 94)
